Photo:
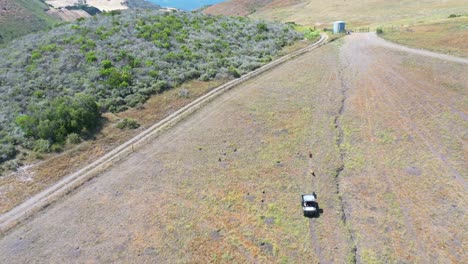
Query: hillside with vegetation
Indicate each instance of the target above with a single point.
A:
(54, 86)
(20, 17)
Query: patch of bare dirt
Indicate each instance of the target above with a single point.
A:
(103, 5)
(67, 15)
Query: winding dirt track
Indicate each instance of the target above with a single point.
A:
(387, 130)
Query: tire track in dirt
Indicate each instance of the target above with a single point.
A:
(339, 141)
(407, 123)
(420, 132)
(315, 241)
(312, 225)
(324, 179)
(389, 184)
(359, 60)
(394, 100)
(412, 235)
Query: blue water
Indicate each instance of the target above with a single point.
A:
(185, 4)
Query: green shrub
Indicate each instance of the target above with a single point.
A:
(379, 30)
(311, 34)
(128, 123)
(36, 54)
(91, 56)
(42, 145)
(262, 27)
(62, 116)
(73, 138)
(38, 94)
(56, 147)
(234, 72)
(12, 165)
(7, 152)
(49, 48)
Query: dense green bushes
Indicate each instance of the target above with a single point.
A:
(54, 121)
(119, 59)
(128, 123)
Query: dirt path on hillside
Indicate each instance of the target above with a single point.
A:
(372, 38)
(388, 138)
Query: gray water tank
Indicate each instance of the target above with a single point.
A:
(339, 27)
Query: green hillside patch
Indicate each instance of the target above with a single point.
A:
(20, 17)
(118, 60)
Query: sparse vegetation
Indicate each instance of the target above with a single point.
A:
(454, 15)
(309, 33)
(128, 123)
(442, 35)
(121, 58)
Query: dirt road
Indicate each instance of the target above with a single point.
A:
(387, 129)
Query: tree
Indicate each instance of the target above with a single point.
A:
(63, 116)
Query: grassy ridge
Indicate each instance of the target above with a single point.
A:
(444, 35)
(355, 13)
(121, 59)
(20, 17)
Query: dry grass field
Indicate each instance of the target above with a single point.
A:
(68, 15)
(446, 35)
(387, 130)
(355, 13)
(21, 17)
(103, 5)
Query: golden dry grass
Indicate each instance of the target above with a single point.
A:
(355, 13)
(447, 35)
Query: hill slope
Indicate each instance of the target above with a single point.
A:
(357, 13)
(20, 17)
(121, 60)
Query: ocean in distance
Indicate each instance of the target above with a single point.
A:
(187, 5)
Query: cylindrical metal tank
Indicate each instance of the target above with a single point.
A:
(339, 27)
